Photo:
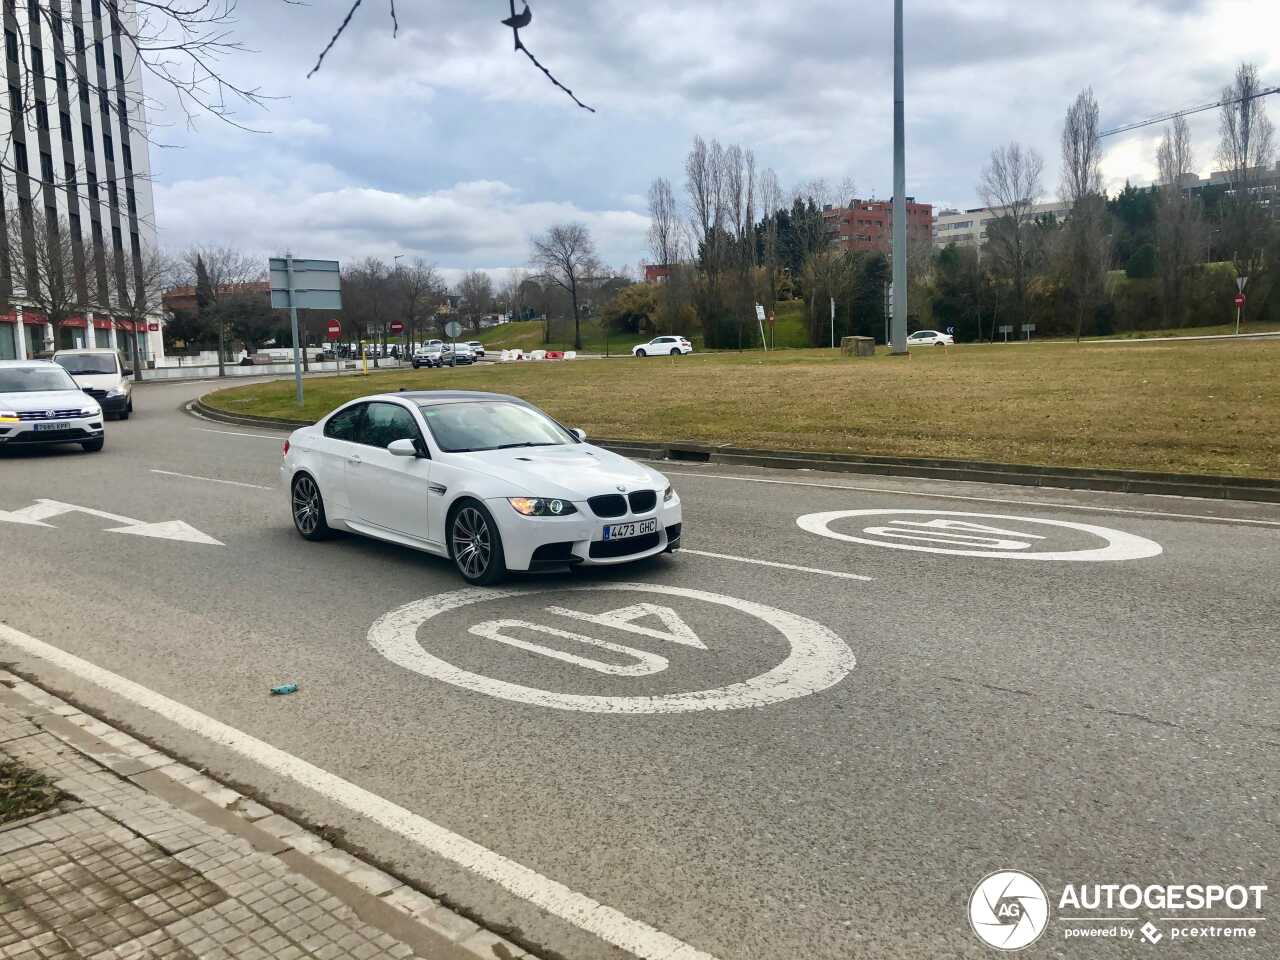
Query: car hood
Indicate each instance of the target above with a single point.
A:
(99, 381)
(571, 472)
(45, 400)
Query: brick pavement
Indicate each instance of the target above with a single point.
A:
(120, 870)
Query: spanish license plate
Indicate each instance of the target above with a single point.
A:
(41, 427)
(637, 528)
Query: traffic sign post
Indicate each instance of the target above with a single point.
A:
(760, 321)
(1006, 329)
(397, 327)
(303, 285)
(1028, 329)
(1241, 283)
(451, 330)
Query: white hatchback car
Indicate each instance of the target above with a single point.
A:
(485, 479)
(663, 346)
(925, 338)
(40, 403)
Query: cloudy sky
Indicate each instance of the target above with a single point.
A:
(443, 144)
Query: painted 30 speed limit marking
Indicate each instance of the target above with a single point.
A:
(979, 535)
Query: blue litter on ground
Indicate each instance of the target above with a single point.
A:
(285, 688)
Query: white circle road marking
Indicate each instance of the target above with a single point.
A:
(1120, 545)
(818, 659)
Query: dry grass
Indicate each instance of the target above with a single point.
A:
(23, 792)
(1207, 407)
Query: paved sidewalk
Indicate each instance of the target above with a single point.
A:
(148, 858)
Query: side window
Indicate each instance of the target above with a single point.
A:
(386, 422)
(343, 426)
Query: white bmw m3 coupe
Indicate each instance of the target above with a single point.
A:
(485, 479)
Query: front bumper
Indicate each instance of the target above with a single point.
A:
(25, 432)
(116, 404)
(534, 543)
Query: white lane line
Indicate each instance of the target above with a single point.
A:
(230, 483)
(232, 433)
(575, 908)
(780, 566)
(956, 496)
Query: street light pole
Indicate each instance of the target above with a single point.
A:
(899, 345)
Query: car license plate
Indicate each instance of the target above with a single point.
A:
(41, 427)
(637, 528)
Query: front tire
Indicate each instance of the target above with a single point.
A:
(93, 446)
(641, 353)
(308, 509)
(475, 544)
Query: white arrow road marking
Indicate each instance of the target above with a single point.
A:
(169, 530)
(577, 909)
(42, 510)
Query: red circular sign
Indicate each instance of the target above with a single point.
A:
(397, 327)
(1239, 299)
(333, 330)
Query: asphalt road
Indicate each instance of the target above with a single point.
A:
(1085, 721)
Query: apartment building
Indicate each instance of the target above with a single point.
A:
(868, 224)
(75, 154)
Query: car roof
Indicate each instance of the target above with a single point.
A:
(444, 396)
(10, 364)
(86, 350)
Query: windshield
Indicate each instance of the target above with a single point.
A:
(87, 363)
(31, 379)
(491, 425)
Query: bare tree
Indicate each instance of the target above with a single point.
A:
(1085, 238)
(229, 271)
(705, 185)
(566, 255)
(664, 223)
(1010, 186)
(141, 302)
(1178, 222)
(512, 291)
(476, 291)
(42, 258)
(418, 287)
(1246, 147)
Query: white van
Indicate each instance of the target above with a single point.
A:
(102, 375)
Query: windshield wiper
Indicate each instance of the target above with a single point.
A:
(525, 443)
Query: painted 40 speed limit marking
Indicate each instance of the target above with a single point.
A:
(976, 535)
(816, 659)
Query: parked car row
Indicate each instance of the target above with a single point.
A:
(437, 353)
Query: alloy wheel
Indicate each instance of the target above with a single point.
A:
(306, 505)
(472, 543)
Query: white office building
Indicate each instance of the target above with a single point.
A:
(75, 154)
(968, 228)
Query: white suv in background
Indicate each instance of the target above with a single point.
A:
(925, 338)
(663, 346)
(40, 403)
(101, 375)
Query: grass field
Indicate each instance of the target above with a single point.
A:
(1201, 407)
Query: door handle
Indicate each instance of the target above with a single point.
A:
(354, 461)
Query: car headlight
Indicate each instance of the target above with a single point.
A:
(541, 506)
(90, 411)
(668, 494)
(116, 392)
(8, 416)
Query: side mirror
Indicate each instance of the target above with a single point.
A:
(128, 371)
(402, 448)
(580, 434)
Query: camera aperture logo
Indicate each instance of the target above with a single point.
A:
(1008, 910)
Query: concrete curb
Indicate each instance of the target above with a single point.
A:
(379, 899)
(1206, 486)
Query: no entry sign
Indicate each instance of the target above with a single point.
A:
(1239, 299)
(334, 330)
(397, 327)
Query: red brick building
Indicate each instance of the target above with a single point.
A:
(657, 272)
(184, 298)
(868, 224)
